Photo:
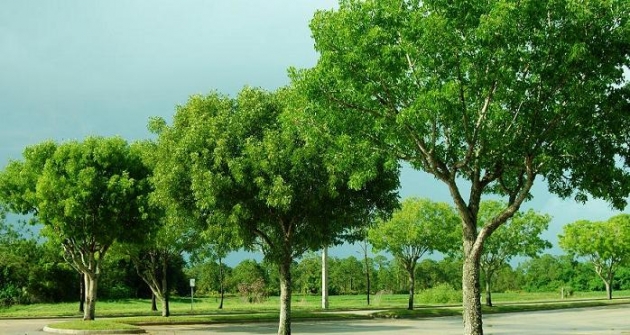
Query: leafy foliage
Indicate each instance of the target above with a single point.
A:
(86, 194)
(420, 226)
(245, 164)
(606, 244)
(494, 93)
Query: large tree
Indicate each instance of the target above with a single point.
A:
(486, 96)
(519, 236)
(420, 226)
(87, 195)
(606, 244)
(252, 164)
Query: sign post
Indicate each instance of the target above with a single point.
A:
(192, 287)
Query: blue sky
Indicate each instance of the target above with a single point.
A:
(83, 67)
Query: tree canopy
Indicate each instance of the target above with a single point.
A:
(496, 93)
(519, 236)
(247, 164)
(87, 195)
(420, 226)
(606, 244)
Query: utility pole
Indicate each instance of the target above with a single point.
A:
(325, 278)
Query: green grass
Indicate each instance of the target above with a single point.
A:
(300, 303)
(129, 313)
(93, 325)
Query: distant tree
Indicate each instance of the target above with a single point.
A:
(308, 274)
(493, 93)
(208, 275)
(87, 195)
(606, 244)
(519, 236)
(252, 164)
(421, 226)
(346, 275)
(249, 279)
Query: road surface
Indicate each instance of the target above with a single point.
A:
(591, 321)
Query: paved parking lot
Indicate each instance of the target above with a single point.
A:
(591, 321)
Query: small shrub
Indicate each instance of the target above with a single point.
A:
(440, 294)
(254, 292)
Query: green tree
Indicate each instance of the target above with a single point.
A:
(87, 195)
(485, 96)
(519, 236)
(250, 164)
(421, 226)
(174, 233)
(249, 279)
(309, 279)
(606, 244)
(346, 275)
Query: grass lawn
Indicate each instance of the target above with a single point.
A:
(235, 308)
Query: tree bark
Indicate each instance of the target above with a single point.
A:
(166, 312)
(91, 284)
(284, 328)
(153, 302)
(471, 292)
(488, 292)
(608, 289)
(81, 292)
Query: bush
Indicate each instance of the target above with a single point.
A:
(440, 294)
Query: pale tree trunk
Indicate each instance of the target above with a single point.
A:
(412, 284)
(488, 273)
(81, 292)
(325, 278)
(608, 284)
(488, 292)
(471, 291)
(91, 284)
(607, 278)
(153, 302)
(284, 328)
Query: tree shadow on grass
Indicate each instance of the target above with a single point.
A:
(325, 327)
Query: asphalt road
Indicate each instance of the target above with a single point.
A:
(591, 321)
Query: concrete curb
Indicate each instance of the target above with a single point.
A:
(86, 332)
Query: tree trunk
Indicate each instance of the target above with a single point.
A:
(608, 289)
(412, 285)
(488, 292)
(221, 282)
(325, 278)
(91, 284)
(166, 312)
(471, 293)
(284, 328)
(81, 292)
(153, 302)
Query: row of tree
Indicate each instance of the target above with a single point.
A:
(34, 272)
(487, 97)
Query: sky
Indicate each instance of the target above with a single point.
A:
(75, 68)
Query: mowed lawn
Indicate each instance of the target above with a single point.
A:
(238, 305)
